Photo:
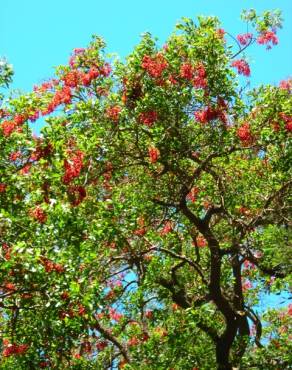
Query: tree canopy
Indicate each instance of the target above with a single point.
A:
(139, 230)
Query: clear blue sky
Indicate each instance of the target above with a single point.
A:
(36, 35)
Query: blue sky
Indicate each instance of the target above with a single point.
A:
(37, 35)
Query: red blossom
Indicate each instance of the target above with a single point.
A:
(8, 127)
(113, 113)
(242, 67)
(286, 85)
(206, 115)
(38, 214)
(14, 156)
(187, 71)
(148, 118)
(153, 154)
(199, 80)
(2, 187)
(245, 38)
(134, 341)
(192, 195)
(201, 242)
(19, 119)
(71, 79)
(155, 65)
(220, 33)
(288, 121)
(51, 266)
(14, 349)
(267, 38)
(167, 228)
(105, 70)
(244, 134)
(73, 166)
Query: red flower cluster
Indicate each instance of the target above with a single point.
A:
(71, 79)
(77, 194)
(113, 113)
(196, 75)
(199, 80)
(192, 195)
(153, 154)
(2, 188)
(14, 349)
(8, 127)
(242, 67)
(201, 241)
(286, 85)
(39, 214)
(148, 118)
(51, 266)
(73, 166)
(63, 96)
(267, 38)
(220, 33)
(14, 156)
(288, 121)
(244, 39)
(187, 71)
(154, 66)
(167, 228)
(244, 134)
(209, 113)
(114, 315)
(6, 251)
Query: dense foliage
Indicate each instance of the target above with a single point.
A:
(140, 228)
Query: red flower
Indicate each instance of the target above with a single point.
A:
(133, 341)
(286, 85)
(201, 241)
(14, 349)
(71, 79)
(19, 119)
(113, 113)
(245, 38)
(199, 80)
(192, 196)
(148, 118)
(242, 67)
(2, 188)
(153, 154)
(288, 121)
(14, 156)
(8, 127)
(105, 70)
(187, 71)
(73, 166)
(244, 134)
(154, 66)
(168, 227)
(220, 33)
(39, 214)
(267, 38)
(208, 114)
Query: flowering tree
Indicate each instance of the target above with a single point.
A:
(140, 228)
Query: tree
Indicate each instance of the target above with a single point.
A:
(140, 228)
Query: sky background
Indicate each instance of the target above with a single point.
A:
(36, 35)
